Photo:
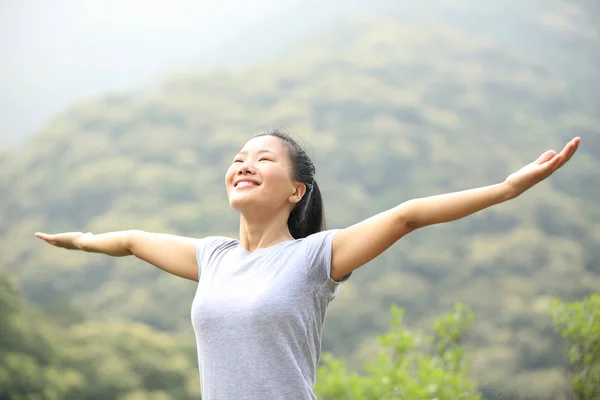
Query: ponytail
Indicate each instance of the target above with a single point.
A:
(308, 215)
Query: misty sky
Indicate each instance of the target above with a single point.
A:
(56, 52)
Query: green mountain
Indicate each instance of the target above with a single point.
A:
(391, 111)
(40, 359)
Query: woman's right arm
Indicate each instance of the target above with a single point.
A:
(173, 254)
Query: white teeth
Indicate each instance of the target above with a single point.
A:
(245, 184)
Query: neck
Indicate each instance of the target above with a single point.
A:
(260, 231)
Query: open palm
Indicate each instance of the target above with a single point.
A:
(540, 169)
(65, 240)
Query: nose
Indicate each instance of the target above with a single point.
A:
(246, 169)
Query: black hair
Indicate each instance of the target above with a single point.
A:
(308, 215)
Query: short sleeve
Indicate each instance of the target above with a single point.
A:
(318, 256)
(207, 248)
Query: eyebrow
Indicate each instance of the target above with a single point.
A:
(261, 151)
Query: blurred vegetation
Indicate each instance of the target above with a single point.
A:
(392, 111)
(403, 370)
(70, 359)
(579, 324)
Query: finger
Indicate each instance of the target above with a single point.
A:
(556, 162)
(547, 156)
(548, 168)
(46, 238)
(574, 148)
(567, 153)
(567, 148)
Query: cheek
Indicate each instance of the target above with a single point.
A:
(280, 182)
(229, 175)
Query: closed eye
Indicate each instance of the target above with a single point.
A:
(265, 159)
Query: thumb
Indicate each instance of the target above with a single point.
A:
(547, 156)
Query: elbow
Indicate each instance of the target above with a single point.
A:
(129, 239)
(412, 225)
(83, 242)
(406, 217)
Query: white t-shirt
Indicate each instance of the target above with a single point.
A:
(258, 317)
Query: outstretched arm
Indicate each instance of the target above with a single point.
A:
(173, 254)
(362, 242)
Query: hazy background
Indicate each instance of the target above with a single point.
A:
(57, 52)
(60, 51)
(124, 114)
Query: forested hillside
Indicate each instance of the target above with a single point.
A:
(68, 358)
(391, 111)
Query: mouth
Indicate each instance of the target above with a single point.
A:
(245, 184)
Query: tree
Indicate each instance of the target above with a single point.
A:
(91, 360)
(578, 323)
(30, 365)
(403, 369)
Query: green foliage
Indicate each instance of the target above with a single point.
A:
(578, 323)
(403, 369)
(112, 360)
(29, 364)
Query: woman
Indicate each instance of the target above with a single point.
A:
(261, 300)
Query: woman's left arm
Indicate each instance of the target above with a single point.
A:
(362, 242)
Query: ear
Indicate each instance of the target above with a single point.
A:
(299, 191)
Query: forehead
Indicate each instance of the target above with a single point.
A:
(266, 142)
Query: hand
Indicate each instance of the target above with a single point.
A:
(68, 240)
(540, 169)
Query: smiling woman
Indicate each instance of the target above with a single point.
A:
(273, 158)
(261, 300)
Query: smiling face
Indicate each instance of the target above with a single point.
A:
(261, 176)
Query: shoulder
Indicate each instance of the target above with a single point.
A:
(318, 251)
(211, 249)
(214, 244)
(218, 240)
(319, 238)
(317, 247)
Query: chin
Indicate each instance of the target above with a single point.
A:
(239, 203)
(250, 205)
